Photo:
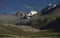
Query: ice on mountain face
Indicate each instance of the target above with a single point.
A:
(29, 14)
(49, 8)
(50, 5)
(33, 12)
(28, 17)
(53, 6)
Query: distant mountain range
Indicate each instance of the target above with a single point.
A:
(47, 18)
(44, 23)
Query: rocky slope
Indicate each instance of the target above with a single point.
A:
(52, 18)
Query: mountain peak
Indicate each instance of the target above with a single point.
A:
(49, 8)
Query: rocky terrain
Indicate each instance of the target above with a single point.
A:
(40, 25)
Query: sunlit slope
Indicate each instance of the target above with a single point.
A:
(15, 30)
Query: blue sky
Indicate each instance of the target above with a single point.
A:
(12, 6)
